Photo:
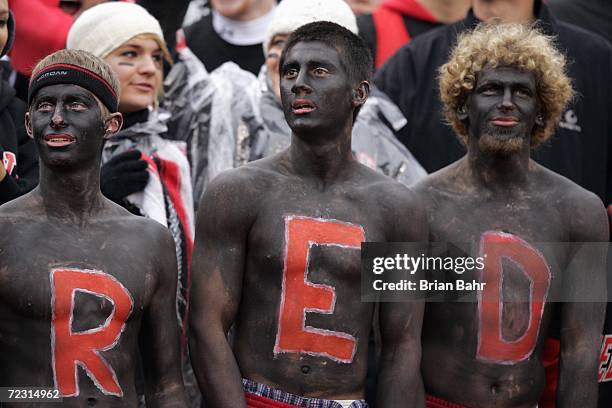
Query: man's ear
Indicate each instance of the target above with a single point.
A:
(361, 93)
(462, 112)
(539, 120)
(112, 124)
(28, 125)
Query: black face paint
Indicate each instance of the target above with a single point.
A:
(315, 89)
(127, 64)
(503, 108)
(67, 125)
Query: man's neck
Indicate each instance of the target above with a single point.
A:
(258, 9)
(496, 172)
(447, 11)
(519, 11)
(242, 32)
(323, 162)
(72, 196)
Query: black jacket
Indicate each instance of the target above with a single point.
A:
(580, 149)
(17, 150)
(213, 50)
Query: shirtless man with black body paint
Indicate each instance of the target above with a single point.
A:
(504, 89)
(277, 252)
(84, 285)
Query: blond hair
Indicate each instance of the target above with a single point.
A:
(160, 42)
(515, 45)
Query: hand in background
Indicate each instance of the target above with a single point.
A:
(123, 175)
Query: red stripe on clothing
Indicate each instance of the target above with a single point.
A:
(391, 33)
(410, 8)
(257, 401)
(99, 78)
(171, 177)
(550, 360)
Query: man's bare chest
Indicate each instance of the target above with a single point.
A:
(90, 272)
(466, 218)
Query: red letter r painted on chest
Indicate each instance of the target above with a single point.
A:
(83, 348)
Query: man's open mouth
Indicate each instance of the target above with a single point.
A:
(302, 106)
(59, 140)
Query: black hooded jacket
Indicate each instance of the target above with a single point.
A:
(17, 150)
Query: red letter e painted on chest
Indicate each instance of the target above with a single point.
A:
(300, 296)
(71, 348)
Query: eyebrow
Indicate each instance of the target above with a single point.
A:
(139, 47)
(321, 63)
(309, 63)
(43, 96)
(492, 81)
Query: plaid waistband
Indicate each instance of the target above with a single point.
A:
(263, 390)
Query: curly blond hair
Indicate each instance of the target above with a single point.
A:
(515, 45)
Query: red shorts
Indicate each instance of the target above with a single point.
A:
(434, 402)
(257, 401)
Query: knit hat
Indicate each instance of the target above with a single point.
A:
(292, 14)
(105, 27)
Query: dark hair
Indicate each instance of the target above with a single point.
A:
(355, 56)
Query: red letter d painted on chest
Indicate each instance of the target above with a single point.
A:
(491, 344)
(300, 296)
(71, 348)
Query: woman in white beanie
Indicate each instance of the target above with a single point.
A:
(147, 174)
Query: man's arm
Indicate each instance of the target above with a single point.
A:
(217, 270)
(159, 336)
(584, 289)
(399, 376)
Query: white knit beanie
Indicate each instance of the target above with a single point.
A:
(292, 14)
(105, 27)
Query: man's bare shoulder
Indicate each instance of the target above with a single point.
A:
(26, 206)
(387, 190)
(391, 197)
(583, 210)
(446, 181)
(248, 179)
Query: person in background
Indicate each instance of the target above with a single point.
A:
(374, 143)
(395, 22)
(363, 6)
(142, 171)
(18, 156)
(233, 31)
(592, 15)
(44, 24)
